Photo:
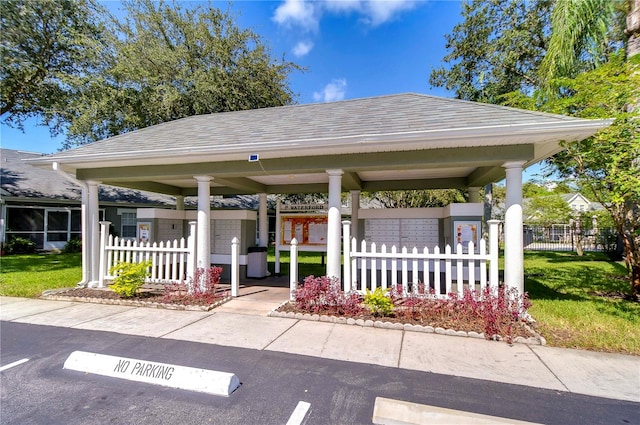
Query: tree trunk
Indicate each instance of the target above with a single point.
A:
(632, 260)
(635, 281)
(633, 29)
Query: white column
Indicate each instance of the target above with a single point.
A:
(93, 216)
(474, 194)
(355, 206)
(85, 229)
(333, 225)
(235, 267)
(263, 221)
(513, 249)
(203, 239)
(180, 203)
(346, 227)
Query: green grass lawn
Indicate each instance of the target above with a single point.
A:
(571, 295)
(575, 303)
(29, 275)
(309, 263)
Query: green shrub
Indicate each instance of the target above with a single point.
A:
(19, 245)
(378, 302)
(74, 245)
(129, 277)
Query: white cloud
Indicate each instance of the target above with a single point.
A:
(333, 91)
(379, 12)
(307, 13)
(302, 48)
(299, 13)
(343, 5)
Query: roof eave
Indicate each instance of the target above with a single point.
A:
(459, 137)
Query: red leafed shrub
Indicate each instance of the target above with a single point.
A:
(324, 294)
(496, 311)
(202, 289)
(492, 311)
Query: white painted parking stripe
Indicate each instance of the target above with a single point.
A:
(10, 365)
(299, 413)
(168, 375)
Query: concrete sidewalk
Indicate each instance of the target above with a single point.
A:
(243, 322)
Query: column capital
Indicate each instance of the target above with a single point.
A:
(93, 182)
(335, 172)
(203, 178)
(513, 164)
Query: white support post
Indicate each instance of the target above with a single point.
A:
(494, 250)
(191, 246)
(333, 225)
(513, 249)
(293, 269)
(104, 233)
(94, 232)
(86, 229)
(235, 267)
(278, 239)
(203, 241)
(346, 263)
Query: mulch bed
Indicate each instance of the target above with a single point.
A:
(448, 325)
(147, 297)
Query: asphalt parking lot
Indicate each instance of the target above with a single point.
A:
(273, 385)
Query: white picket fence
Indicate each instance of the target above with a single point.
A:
(370, 268)
(171, 261)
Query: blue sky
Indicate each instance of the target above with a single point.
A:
(351, 49)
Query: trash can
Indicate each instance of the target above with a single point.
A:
(257, 262)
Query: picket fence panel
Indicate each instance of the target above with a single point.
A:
(371, 267)
(171, 261)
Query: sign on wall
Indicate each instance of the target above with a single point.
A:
(144, 232)
(307, 229)
(467, 231)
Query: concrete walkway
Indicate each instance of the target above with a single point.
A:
(243, 322)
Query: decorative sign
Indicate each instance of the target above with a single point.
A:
(183, 377)
(144, 232)
(467, 231)
(307, 229)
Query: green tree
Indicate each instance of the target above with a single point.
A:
(168, 62)
(46, 44)
(608, 164)
(416, 198)
(532, 189)
(546, 210)
(495, 50)
(588, 29)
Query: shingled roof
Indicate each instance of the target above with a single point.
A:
(19, 179)
(349, 121)
(450, 142)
